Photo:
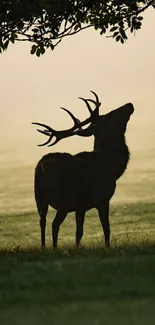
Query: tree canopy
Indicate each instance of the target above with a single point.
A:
(45, 23)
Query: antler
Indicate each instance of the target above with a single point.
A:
(77, 124)
(57, 134)
(97, 104)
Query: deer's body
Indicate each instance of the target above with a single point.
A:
(72, 182)
(86, 180)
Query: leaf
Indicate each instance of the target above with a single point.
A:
(123, 35)
(118, 38)
(103, 31)
(140, 18)
(38, 51)
(132, 29)
(42, 50)
(79, 25)
(52, 47)
(35, 30)
(12, 40)
(13, 35)
(33, 49)
(113, 29)
(5, 45)
(5, 37)
(115, 34)
(76, 27)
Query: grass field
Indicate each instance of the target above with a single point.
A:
(89, 285)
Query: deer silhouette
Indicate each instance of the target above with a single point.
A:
(85, 180)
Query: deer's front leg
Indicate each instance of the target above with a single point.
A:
(79, 215)
(103, 212)
(59, 218)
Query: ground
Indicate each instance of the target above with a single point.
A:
(89, 285)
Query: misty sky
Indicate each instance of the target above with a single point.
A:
(33, 89)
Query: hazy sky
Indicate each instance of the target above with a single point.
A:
(33, 89)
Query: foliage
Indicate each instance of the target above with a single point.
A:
(45, 23)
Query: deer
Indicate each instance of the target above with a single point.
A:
(86, 180)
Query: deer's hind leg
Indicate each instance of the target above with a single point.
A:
(43, 214)
(59, 218)
(42, 207)
(42, 210)
(79, 215)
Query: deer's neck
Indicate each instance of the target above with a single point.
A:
(115, 156)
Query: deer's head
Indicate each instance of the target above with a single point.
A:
(107, 129)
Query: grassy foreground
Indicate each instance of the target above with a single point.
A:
(79, 286)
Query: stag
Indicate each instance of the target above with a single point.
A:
(85, 180)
